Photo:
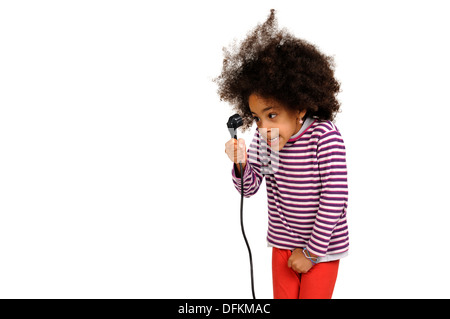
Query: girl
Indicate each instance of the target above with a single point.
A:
(287, 87)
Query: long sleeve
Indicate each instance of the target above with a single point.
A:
(331, 215)
(252, 173)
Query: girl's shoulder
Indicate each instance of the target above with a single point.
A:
(324, 128)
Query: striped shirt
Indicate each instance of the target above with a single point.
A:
(306, 184)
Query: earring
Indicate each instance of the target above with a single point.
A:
(301, 121)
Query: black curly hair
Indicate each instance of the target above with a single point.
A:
(274, 64)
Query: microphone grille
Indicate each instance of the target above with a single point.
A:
(235, 121)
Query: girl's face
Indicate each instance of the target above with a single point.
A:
(269, 114)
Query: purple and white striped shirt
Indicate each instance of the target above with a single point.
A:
(306, 189)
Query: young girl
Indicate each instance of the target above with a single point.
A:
(287, 87)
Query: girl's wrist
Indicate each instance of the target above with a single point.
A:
(311, 257)
(311, 254)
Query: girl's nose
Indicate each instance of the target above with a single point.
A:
(264, 125)
(269, 132)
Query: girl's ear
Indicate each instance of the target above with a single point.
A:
(300, 115)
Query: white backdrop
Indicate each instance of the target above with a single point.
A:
(113, 178)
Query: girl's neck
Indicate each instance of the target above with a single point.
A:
(303, 127)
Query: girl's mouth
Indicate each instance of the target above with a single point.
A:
(273, 141)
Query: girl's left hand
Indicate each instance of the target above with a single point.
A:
(298, 262)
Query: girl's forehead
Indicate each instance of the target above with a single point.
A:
(259, 104)
(264, 108)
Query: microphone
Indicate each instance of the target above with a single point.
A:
(233, 123)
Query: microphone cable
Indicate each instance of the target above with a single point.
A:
(233, 123)
(243, 231)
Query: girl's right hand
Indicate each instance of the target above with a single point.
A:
(236, 151)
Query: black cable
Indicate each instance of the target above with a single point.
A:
(242, 228)
(233, 123)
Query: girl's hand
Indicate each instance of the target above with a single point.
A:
(298, 262)
(236, 151)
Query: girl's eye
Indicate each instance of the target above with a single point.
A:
(271, 116)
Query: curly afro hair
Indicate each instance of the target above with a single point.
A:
(274, 64)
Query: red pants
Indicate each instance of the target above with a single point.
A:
(317, 283)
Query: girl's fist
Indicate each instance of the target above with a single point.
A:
(236, 150)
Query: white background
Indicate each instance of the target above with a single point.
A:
(113, 178)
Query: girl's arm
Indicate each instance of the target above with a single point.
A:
(334, 194)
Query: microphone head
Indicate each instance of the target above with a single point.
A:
(233, 123)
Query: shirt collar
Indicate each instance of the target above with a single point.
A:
(308, 122)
